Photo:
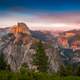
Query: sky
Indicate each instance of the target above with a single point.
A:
(41, 14)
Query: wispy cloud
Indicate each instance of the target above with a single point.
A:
(42, 21)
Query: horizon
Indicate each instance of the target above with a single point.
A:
(38, 15)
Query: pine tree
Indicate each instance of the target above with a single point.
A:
(40, 58)
(66, 70)
(62, 71)
(3, 64)
(78, 70)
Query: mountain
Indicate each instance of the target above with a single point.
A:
(69, 43)
(19, 43)
(4, 31)
(41, 35)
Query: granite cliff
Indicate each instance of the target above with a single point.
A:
(18, 46)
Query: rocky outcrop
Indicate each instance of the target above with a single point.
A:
(20, 28)
(54, 59)
(21, 32)
(18, 49)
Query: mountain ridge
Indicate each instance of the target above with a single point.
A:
(19, 48)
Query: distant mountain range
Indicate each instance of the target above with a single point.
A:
(41, 35)
(18, 44)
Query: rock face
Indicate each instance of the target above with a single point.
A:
(21, 32)
(54, 59)
(17, 47)
(20, 28)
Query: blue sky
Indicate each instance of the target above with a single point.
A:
(41, 5)
(40, 12)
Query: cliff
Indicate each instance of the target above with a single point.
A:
(18, 49)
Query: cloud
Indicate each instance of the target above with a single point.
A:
(42, 21)
(61, 18)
